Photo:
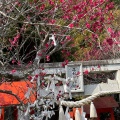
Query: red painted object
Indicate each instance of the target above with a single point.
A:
(72, 113)
(18, 88)
(103, 105)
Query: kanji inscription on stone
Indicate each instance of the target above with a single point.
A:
(75, 76)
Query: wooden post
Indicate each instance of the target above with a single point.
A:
(2, 114)
(112, 115)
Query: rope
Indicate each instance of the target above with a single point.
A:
(88, 99)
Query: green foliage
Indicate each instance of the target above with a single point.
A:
(117, 2)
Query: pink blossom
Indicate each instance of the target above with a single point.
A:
(75, 7)
(15, 40)
(63, 51)
(66, 17)
(71, 25)
(110, 30)
(30, 63)
(62, 42)
(36, 76)
(92, 17)
(102, 19)
(61, 1)
(39, 54)
(51, 2)
(119, 33)
(13, 61)
(98, 66)
(52, 21)
(29, 77)
(109, 41)
(42, 84)
(110, 6)
(117, 42)
(13, 71)
(78, 73)
(42, 7)
(86, 72)
(52, 43)
(74, 17)
(92, 68)
(10, 48)
(19, 63)
(80, 15)
(68, 37)
(113, 35)
(16, 37)
(42, 74)
(65, 63)
(48, 58)
(68, 53)
(94, 36)
(46, 45)
(88, 25)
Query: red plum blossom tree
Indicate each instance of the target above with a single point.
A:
(31, 31)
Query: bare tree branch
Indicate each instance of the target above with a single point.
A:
(10, 93)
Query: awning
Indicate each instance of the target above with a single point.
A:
(102, 103)
(19, 88)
